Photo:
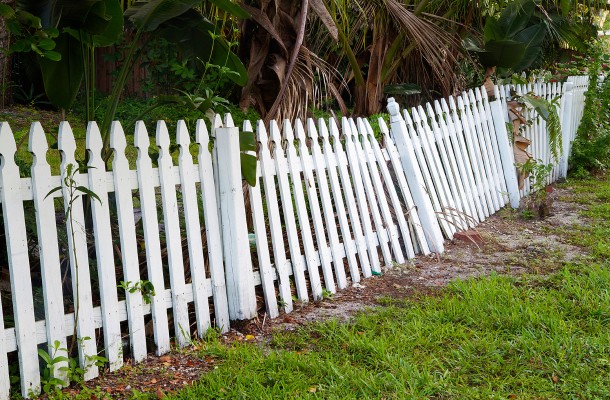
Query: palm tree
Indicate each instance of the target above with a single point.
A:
(303, 50)
(300, 52)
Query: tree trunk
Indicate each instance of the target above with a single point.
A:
(5, 62)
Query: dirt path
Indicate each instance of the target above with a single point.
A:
(510, 245)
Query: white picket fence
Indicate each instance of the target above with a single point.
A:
(570, 109)
(331, 206)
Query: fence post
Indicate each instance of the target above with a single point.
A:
(506, 152)
(566, 127)
(236, 246)
(415, 179)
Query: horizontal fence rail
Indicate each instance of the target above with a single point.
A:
(121, 257)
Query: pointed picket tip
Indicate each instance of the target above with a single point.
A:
(472, 98)
(229, 121)
(361, 126)
(445, 105)
(460, 103)
(261, 133)
(162, 136)
(484, 95)
(369, 129)
(383, 127)
(247, 126)
(323, 129)
(422, 115)
(118, 142)
(477, 94)
(37, 142)
(430, 111)
(355, 129)
(216, 123)
(300, 131)
(437, 108)
(274, 132)
(65, 139)
(312, 131)
(334, 129)
(347, 129)
(93, 141)
(465, 100)
(497, 92)
(140, 137)
(8, 147)
(182, 135)
(407, 117)
(415, 115)
(452, 102)
(201, 133)
(288, 133)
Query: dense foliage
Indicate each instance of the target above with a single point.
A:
(591, 149)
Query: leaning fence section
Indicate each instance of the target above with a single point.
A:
(460, 154)
(163, 240)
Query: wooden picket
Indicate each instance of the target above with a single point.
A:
(352, 244)
(314, 207)
(359, 168)
(343, 202)
(319, 170)
(49, 252)
(152, 241)
(78, 254)
(361, 229)
(100, 214)
(128, 241)
(268, 172)
(19, 264)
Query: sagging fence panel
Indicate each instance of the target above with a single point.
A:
(332, 205)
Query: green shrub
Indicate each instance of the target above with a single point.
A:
(591, 149)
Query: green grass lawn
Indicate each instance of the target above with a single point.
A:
(532, 337)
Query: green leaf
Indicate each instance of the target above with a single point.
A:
(515, 17)
(28, 19)
(46, 44)
(532, 38)
(59, 359)
(114, 24)
(402, 88)
(52, 55)
(20, 45)
(44, 355)
(565, 6)
(502, 53)
(56, 189)
(6, 11)
(89, 193)
(231, 8)
(247, 142)
(62, 78)
(541, 105)
(191, 32)
(248, 168)
(492, 30)
(147, 16)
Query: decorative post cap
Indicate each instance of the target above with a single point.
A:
(394, 110)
